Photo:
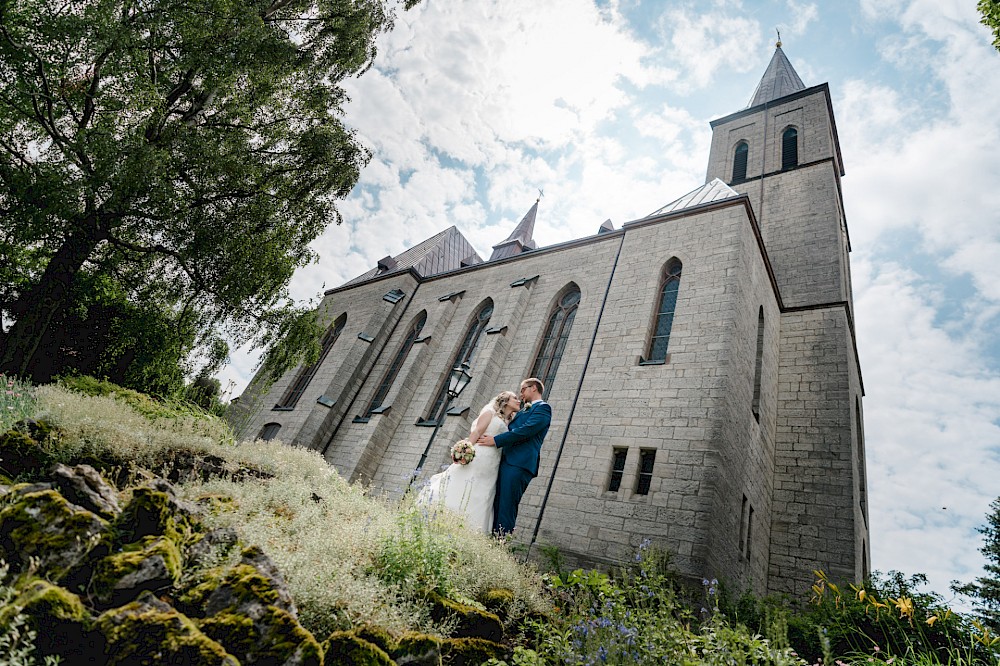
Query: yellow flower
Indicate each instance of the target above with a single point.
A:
(931, 620)
(905, 606)
(862, 594)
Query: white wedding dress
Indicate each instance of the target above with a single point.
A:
(469, 489)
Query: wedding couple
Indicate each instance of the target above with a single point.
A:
(508, 441)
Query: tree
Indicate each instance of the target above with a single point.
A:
(990, 9)
(184, 152)
(985, 590)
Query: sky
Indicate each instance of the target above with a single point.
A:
(472, 108)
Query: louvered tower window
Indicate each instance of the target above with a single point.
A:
(789, 148)
(397, 363)
(665, 311)
(740, 161)
(554, 342)
(465, 353)
(306, 373)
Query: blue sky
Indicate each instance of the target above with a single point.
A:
(472, 107)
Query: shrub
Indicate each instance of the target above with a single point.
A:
(17, 401)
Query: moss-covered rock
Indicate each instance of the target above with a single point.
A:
(269, 636)
(22, 456)
(213, 544)
(149, 631)
(45, 526)
(472, 622)
(470, 651)
(416, 649)
(344, 648)
(155, 510)
(253, 582)
(150, 564)
(61, 622)
(84, 486)
(377, 635)
(497, 601)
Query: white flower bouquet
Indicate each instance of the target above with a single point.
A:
(462, 452)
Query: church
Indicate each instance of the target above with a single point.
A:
(700, 363)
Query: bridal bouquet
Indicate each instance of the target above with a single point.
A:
(462, 452)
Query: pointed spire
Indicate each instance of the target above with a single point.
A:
(519, 239)
(779, 79)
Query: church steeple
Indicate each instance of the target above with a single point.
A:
(519, 239)
(779, 79)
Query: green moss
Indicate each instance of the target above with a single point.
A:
(377, 635)
(344, 648)
(60, 620)
(417, 648)
(216, 504)
(21, 456)
(472, 622)
(497, 601)
(150, 632)
(113, 569)
(272, 636)
(152, 513)
(43, 525)
(470, 651)
(243, 582)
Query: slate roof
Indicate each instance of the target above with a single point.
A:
(442, 252)
(519, 239)
(779, 79)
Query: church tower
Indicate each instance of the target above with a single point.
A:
(782, 152)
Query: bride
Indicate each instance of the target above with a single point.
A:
(469, 489)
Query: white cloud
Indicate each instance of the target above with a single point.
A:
(703, 43)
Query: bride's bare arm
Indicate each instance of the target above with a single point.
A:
(479, 426)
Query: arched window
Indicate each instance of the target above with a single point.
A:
(465, 353)
(306, 373)
(665, 311)
(397, 363)
(554, 341)
(269, 431)
(758, 365)
(789, 148)
(740, 161)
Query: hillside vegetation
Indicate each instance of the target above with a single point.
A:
(132, 528)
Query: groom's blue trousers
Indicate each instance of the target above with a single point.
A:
(511, 483)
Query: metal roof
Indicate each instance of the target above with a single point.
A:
(779, 79)
(715, 190)
(442, 252)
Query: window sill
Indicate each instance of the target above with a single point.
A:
(279, 408)
(360, 419)
(660, 362)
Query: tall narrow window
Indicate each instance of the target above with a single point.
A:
(617, 469)
(789, 148)
(556, 335)
(269, 431)
(861, 461)
(665, 311)
(646, 459)
(306, 373)
(740, 161)
(749, 532)
(743, 525)
(758, 366)
(465, 353)
(397, 363)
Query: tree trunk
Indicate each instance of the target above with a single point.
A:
(50, 295)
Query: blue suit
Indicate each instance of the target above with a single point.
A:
(520, 447)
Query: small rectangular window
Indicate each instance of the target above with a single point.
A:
(646, 459)
(617, 469)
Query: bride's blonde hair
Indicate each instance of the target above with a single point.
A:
(501, 400)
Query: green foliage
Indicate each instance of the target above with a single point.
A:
(985, 590)
(17, 638)
(990, 9)
(416, 558)
(17, 401)
(162, 168)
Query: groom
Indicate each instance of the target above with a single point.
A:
(520, 449)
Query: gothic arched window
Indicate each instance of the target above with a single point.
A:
(306, 373)
(759, 364)
(789, 148)
(554, 341)
(397, 363)
(669, 287)
(740, 161)
(269, 431)
(465, 353)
